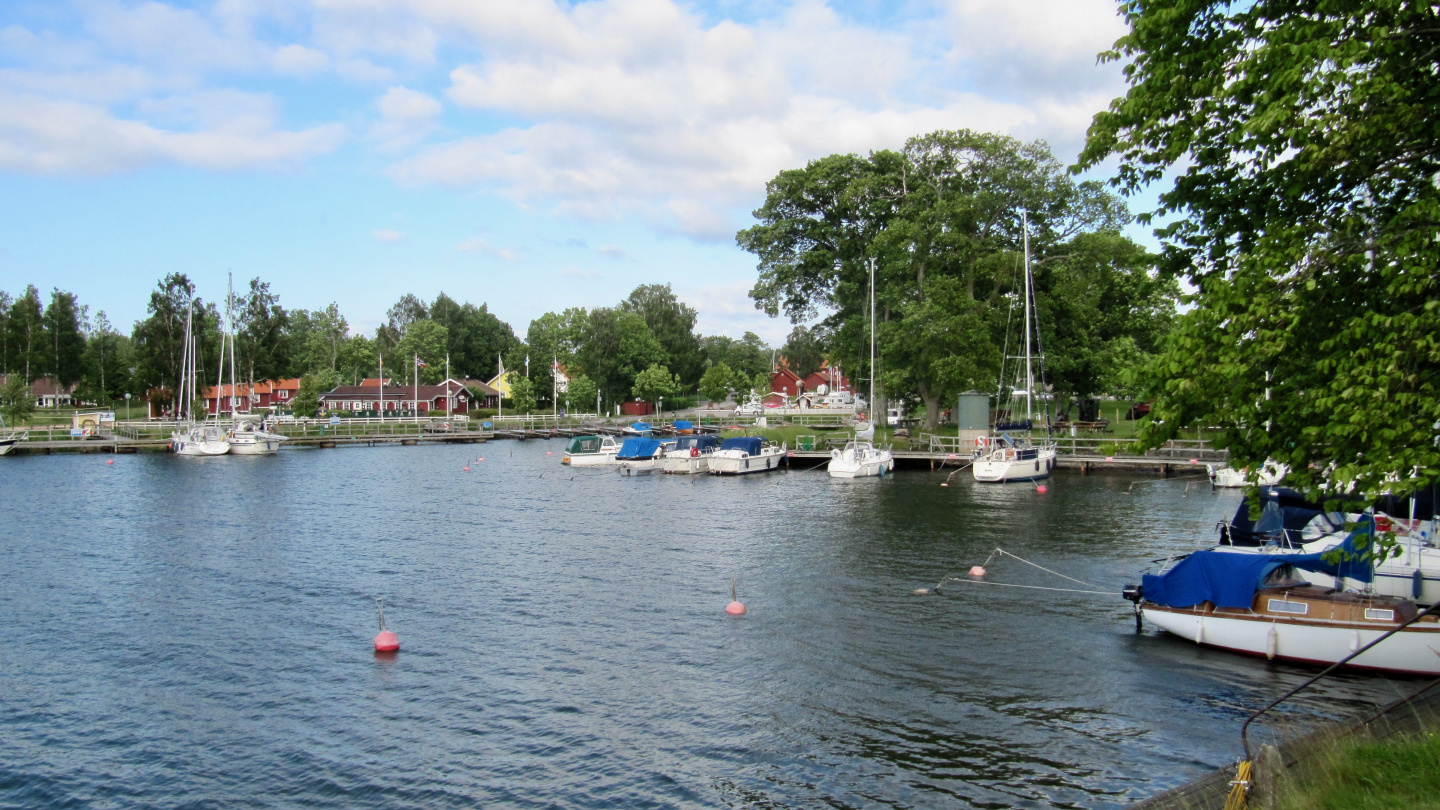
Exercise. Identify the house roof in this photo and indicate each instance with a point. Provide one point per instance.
(375, 382)
(48, 386)
(481, 387)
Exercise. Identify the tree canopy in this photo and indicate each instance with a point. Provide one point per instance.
(1306, 213)
(942, 220)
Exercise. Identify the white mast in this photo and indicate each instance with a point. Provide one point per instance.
(1029, 374)
(380, 384)
(872, 341)
(230, 312)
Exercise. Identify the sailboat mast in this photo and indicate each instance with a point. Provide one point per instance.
(872, 340)
(1029, 373)
(230, 313)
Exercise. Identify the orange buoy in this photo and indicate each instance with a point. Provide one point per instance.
(467, 469)
(548, 453)
(111, 462)
(736, 607)
(386, 641)
(1042, 489)
(977, 570)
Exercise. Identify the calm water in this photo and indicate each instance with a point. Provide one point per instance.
(198, 632)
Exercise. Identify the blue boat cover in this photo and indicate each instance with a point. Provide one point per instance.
(750, 444)
(643, 427)
(638, 448)
(681, 424)
(702, 443)
(1229, 579)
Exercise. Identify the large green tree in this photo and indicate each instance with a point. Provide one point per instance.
(804, 350)
(1305, 210)
(616, 346)
(425, 339)
(159, 340)
(5, 302)
(942, 222)
(260, 327)
(475, 337)
(673, 324)
(26, 334)
(65, 325)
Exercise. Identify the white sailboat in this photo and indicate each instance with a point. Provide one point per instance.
(860, 458)
(1225, 476)
(190, 438)
(1018, 458)
(246, 436)
(9, 440)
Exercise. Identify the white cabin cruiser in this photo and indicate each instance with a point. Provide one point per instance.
(1010, 459)
(746, 454)
(641, 455)
(1223, 475)
(691, 455)
(207, 439)
(590, 451)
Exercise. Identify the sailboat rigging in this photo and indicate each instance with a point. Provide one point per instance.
(860, 458)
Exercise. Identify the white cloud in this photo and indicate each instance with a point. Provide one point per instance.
(478, 245)
(299, 60)
(406, 117)
(612, 252)
(61, 137)
(728, 310)
(387, 235)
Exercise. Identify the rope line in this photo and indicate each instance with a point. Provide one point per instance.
(1027, 587)
(1041, 567)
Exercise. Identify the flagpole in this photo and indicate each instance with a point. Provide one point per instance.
(449, 401)
(380, 383)
(499, 381)
(554, 389)
(417, 391)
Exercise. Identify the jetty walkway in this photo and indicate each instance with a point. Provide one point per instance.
(1086, 454)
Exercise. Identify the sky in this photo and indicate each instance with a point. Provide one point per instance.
(530, 154)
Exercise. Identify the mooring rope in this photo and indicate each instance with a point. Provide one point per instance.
(1027, 587)
(1041, 567)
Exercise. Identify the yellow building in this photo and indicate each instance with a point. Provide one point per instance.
(501, 383)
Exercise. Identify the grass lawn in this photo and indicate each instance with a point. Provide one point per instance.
(1399, 774)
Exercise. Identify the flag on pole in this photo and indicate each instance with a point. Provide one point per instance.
(421, 363)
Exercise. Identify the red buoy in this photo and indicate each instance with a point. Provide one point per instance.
(1042, 489)
(386, 641)
(111, 462)
(467, 469)
(735, 608)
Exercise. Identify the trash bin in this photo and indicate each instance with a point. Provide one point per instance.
(806, 442)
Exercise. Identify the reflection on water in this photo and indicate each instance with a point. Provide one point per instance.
(198, 630)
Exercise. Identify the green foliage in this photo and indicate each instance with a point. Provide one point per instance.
(64, 325)
(716, 382)
(475, 338)
(17, 401)
(942, 220)
(673, 325)
(1306, 214)
(760, 383)
(580, 394)
(1396, 774)
(655, 382)
(749, 355)
(804, 350)
(312, 385)
(618, 345)
(260, 327)
(427, 339)
(25, 334)
(159, 340)
(522, 394)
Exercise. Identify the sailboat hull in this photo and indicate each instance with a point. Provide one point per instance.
(1009, 465)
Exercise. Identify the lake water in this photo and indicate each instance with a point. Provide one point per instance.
(197, 632)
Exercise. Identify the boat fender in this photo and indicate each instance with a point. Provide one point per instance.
(1272, 643)
(1355, 642)
(1417, 584)
(1200, 632)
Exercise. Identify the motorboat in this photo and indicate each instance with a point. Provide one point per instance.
(746, 454)
(690, 456)
(640, 455)
(683, 427)
(637, 429)
(1261, 604)
(590, 451)
(247, 438)
(860, 459)
(1002, 457)
(1290, 524)
(1223, 475)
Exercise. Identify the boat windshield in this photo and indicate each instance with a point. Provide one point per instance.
(584, 444)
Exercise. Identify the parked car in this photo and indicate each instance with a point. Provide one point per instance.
(1139, 409)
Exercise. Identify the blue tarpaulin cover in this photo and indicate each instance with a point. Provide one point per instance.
(638, 448)
(750, 444)
(643, 427)
(701, 442)
(681, 424)
(1229, 579)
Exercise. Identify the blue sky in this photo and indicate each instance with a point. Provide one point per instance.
(531, 155)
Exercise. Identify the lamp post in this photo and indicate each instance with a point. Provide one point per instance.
(662, 408)
(127, 406)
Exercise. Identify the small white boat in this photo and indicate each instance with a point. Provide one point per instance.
(744, 455)
(250, 439)
(1223, 475)
(640, 455)
(590, 451)
(1007, 459)
(9, 440)
(860, 459)
(691, 455)
(637, 429)
(199, 440)
(1259, 604)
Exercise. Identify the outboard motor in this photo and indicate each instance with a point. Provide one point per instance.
(1134, 593)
